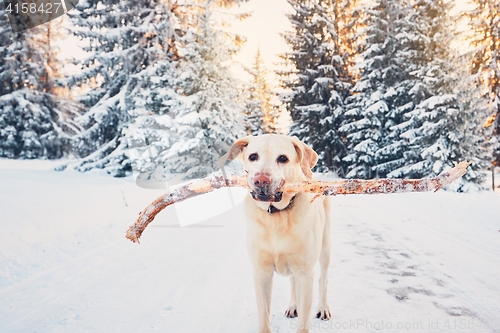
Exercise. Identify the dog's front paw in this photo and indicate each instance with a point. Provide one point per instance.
(291, 312)
(324, 314)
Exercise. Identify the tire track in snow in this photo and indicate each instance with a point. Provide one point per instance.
(482, 311)
(398, 241)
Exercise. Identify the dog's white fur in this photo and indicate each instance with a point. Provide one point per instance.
(290, 241)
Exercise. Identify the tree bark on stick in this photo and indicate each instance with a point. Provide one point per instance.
(348, 186)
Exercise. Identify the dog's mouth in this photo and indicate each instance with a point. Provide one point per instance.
(276, 197)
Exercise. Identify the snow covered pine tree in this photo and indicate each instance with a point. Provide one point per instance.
(445, 125)
(484, 21)
(318, 80)
(161, 90)
(211, 118)
(126, 40)
(259, 111)
(409, 116)
(33, 124)
(380, 96)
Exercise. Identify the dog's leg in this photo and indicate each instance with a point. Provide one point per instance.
(304, 281)
(323, 310)
(324, 262)
(263, 281)
(291, 312)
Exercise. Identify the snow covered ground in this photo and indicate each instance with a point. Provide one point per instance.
(401, 263)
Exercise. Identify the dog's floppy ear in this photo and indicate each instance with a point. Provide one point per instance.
(307, 157)
(235, 150)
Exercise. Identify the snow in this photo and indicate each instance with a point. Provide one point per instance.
(426, 262)
(376, 108)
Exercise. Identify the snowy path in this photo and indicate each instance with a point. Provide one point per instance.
(401, 263)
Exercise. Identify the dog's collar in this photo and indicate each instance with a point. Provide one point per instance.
(271, 209)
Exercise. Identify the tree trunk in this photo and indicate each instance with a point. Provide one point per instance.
(493, 177)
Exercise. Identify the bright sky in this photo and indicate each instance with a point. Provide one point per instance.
(263, 29)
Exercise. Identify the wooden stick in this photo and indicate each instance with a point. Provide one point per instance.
(347, 186)
(205, 185)
(381, 186)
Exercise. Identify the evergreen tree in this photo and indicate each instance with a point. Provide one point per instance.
(350, 21)
(253, 115)
(316, 79)
(128, 42)
(409, 115)
(151, 132)
(417, 35)
(162, 95)
(380, 96)
(440, 124)
(33, 122)
(484, 21)
(444, 124)
(259, 112)
(211, 120)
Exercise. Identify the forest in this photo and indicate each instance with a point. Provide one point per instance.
(379, 88)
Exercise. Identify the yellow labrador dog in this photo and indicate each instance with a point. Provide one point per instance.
(287, 233)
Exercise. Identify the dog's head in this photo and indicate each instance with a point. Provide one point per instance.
(272, 160)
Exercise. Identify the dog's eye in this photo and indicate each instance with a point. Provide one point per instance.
(253, 157)
(282, 159)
